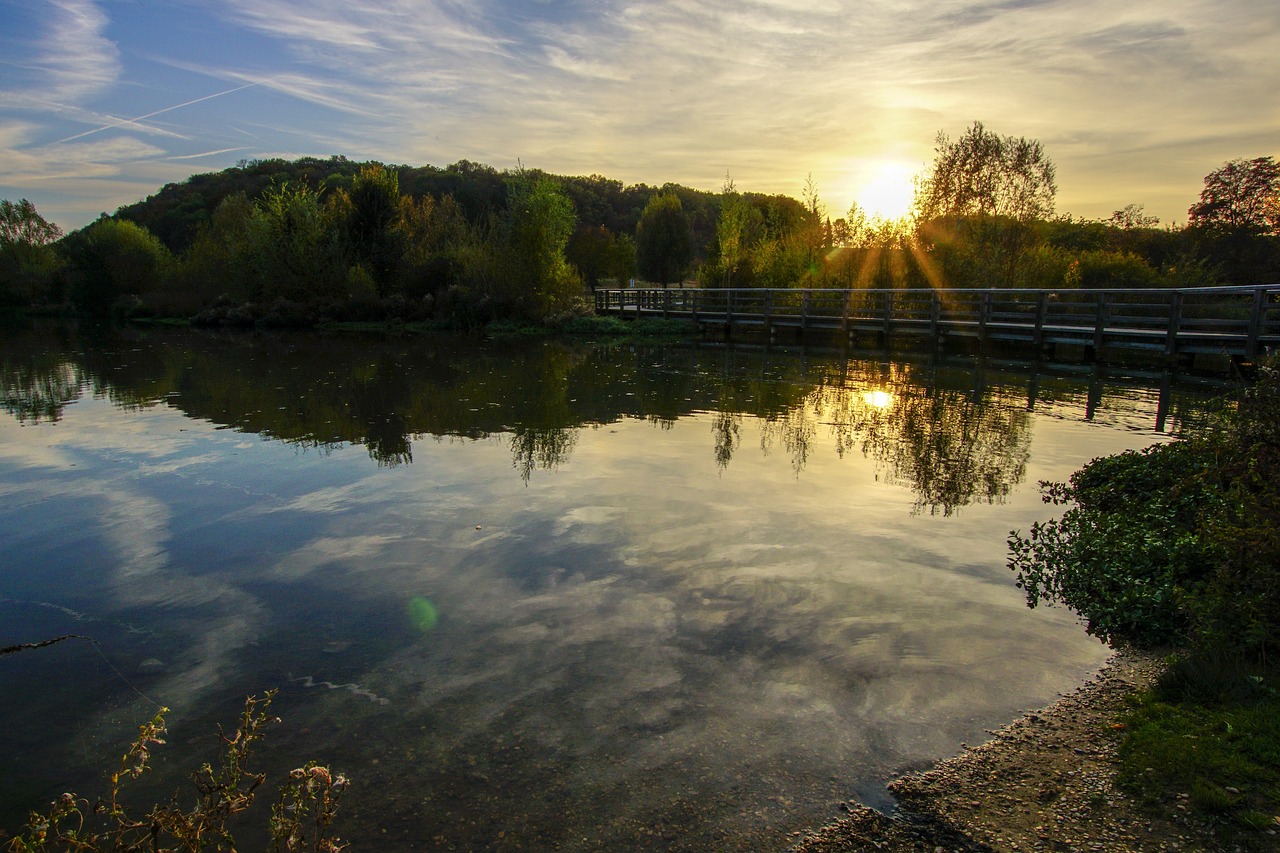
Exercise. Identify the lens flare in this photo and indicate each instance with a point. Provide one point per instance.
(422, 613)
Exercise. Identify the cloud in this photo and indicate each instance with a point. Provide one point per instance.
(680, 90)
(28, 165)
(76, 58)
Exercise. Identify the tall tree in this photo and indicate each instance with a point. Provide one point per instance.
(1237, 220)
(1132, 216)
(664, 246)
(20, 223)
(28, 264)
(300, 246)
(1240, 194)
(979, 200)
(540, 220)
(366, 217)
(111, 258)
(733, 230)
(984, 174)
(590, 250)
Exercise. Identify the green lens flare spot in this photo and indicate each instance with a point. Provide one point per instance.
(422, 613)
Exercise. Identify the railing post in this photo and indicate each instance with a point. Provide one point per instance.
(804, 310)
(844, 312)
(935, 313)
(1100, 323)
(1042, 308)
(984, 313)
(768, 310)
(888, 313)
(1175, 324)
(1255, 322)
(728, 310)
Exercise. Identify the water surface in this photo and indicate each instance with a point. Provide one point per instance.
(533, 595)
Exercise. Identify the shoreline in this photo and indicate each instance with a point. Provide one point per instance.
(1043, 782)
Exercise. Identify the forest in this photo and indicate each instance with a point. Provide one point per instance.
(302, 242)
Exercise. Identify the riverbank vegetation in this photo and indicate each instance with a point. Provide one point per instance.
(310, 241)
(1178, 546)
(300, 820)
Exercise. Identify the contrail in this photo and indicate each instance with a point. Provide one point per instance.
(125, 121)
(206, 153)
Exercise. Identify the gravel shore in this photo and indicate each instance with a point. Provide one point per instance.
(1044, 782)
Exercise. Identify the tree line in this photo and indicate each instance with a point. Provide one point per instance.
(298, 242)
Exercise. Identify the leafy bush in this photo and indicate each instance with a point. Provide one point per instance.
(1177, 543)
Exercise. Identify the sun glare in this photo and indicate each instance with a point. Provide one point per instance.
(888, 195)
(877, 399)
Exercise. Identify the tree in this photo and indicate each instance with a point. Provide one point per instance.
(540, 219)
(733, 230)
(366, 217)
(226, 257)
(664, 246)
(591, 249)
(111, 258)
(983, 174)
(1133, 216)
(28, 264)
(1237, 220)
(1240, 195)
(300, 257)
(979, 200)
(21, 224)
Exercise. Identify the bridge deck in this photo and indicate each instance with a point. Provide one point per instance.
(1238, 321)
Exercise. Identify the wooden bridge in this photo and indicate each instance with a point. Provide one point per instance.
(1240, 322)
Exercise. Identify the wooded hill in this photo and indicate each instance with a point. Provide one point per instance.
(303, 241)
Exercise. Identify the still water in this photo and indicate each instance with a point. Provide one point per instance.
(531, 595)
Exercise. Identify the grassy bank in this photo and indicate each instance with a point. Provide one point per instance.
(1208, 747)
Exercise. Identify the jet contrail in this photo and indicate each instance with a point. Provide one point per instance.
(206, 153)
(125, 121)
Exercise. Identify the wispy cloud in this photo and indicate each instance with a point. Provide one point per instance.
(77, 57)
(679, 90)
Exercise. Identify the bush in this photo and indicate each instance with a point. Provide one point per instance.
(112, 258)
(1178, 543)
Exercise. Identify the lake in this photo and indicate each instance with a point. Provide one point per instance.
(533, 594)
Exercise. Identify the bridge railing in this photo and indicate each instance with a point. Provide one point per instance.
(1249, 317)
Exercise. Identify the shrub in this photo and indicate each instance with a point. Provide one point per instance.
(1177, 543)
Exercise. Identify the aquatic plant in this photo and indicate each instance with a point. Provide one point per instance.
(301, 819)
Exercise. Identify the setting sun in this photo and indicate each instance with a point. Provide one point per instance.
(877, 399)
(888, 194)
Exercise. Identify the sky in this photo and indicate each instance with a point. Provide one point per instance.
(102, 103)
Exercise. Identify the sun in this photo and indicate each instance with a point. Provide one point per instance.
(889, 193)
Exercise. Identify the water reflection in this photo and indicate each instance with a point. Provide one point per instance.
(952, 434)
(587, 597)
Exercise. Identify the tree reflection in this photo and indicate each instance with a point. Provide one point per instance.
(949, 434)
(38, 378)
(950, 445)
(540, 449)
(33, 393)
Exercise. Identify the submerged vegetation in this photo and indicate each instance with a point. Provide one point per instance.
(291, 243)
(300, 820)
(1178, 546)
